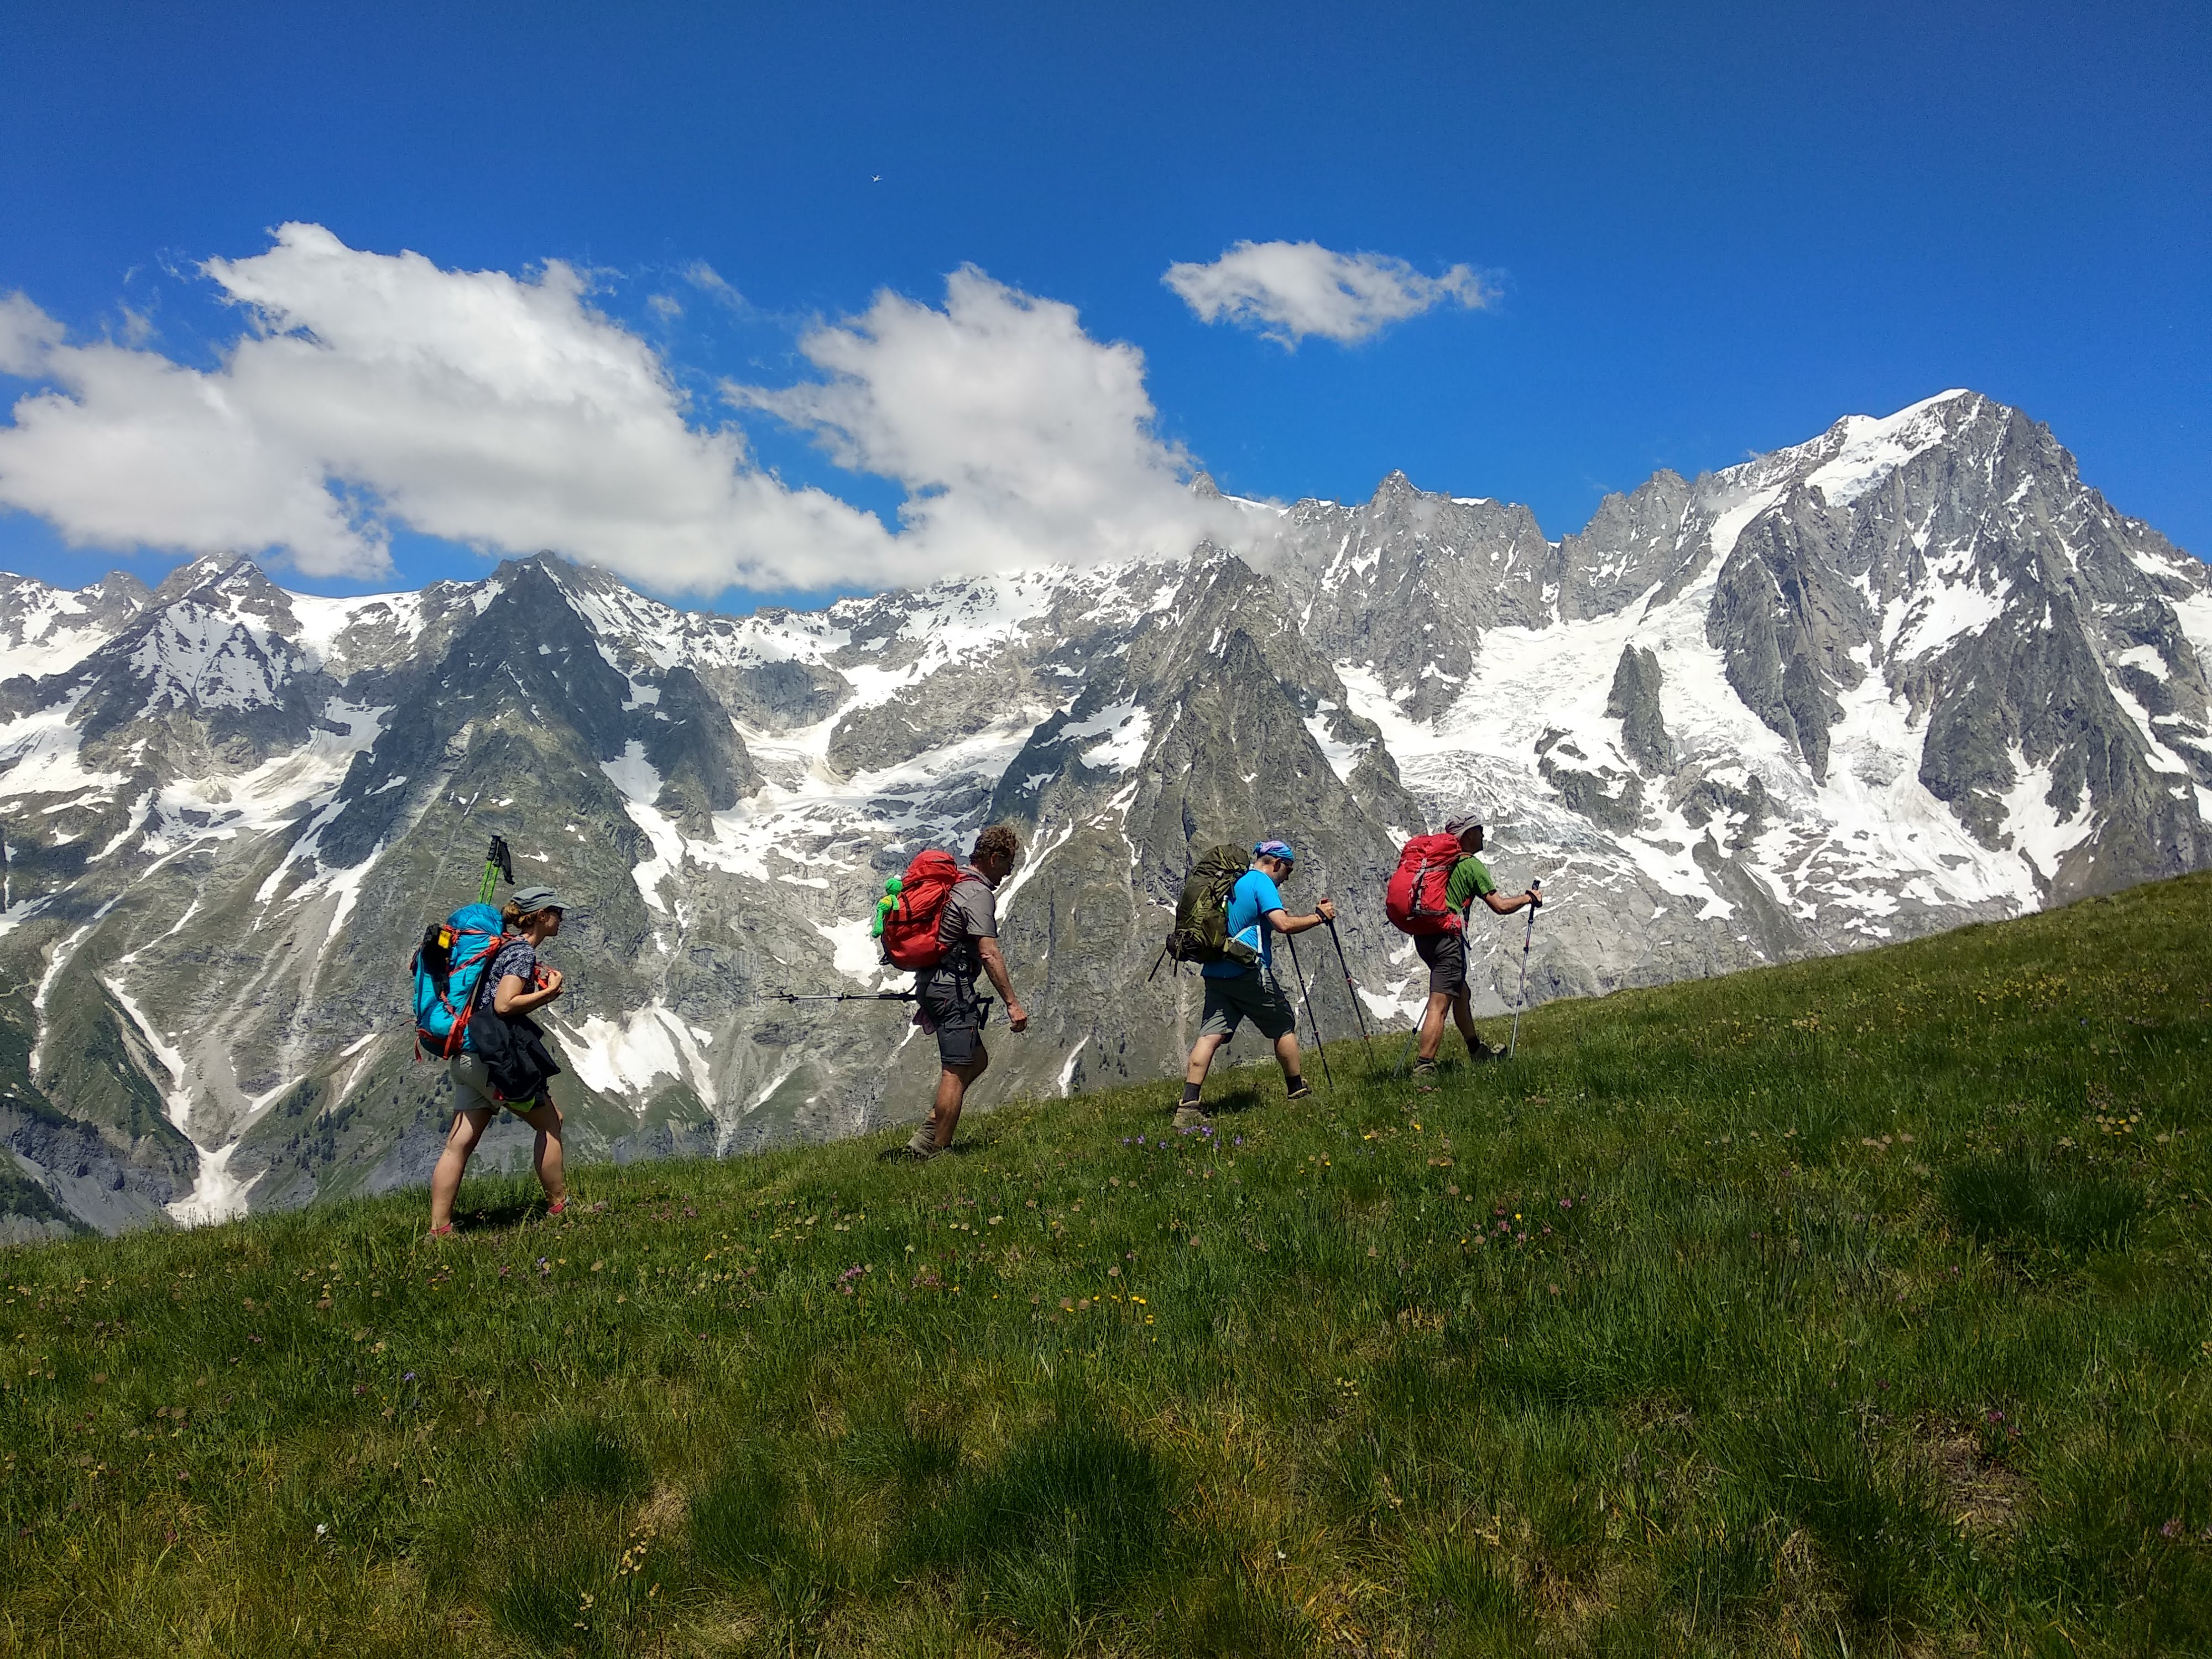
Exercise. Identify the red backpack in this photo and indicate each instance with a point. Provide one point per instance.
(909, 929)
(1415, 900)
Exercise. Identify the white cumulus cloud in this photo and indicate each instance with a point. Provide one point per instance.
(1017, 436)
(507, 413)
(1288, 290)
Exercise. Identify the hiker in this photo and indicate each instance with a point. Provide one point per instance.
(968, 935)
(1445, 950)
(505, 1064)
(1236, 992)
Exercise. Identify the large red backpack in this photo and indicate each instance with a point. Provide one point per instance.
(1415, 901)
(910, 927)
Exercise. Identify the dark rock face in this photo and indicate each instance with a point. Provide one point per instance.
(1634, 701)
(692, 741)
(1786, 620)
(1909, 674)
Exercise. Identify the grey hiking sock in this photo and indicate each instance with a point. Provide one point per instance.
(1190, 1091)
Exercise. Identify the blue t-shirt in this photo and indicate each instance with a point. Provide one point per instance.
(1249, 901)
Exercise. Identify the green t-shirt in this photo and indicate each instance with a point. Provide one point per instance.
(1469, 882)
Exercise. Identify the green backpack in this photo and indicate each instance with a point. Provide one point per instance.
(1201, 923)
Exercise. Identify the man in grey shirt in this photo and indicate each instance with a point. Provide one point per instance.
(968, 930)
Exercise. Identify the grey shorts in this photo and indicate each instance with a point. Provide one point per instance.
(473, 1089)
(1446, 955)
(1255, 995)
(957, 1011)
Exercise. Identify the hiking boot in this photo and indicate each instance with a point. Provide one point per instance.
(1483, 1051)
(1424, 1071)
(1304, 1091)
(924, 1145)
(1189, 1117)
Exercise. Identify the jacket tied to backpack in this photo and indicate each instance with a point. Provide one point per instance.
(513, 1050)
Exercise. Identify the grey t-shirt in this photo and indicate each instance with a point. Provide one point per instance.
(971, 912)
(516, 956)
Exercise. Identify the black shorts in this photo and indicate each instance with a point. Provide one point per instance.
(954, 1010)
(1446, 955)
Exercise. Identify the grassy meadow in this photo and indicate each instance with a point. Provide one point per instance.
(1860, 1306)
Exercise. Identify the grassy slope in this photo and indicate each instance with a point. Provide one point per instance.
(1860, 1303)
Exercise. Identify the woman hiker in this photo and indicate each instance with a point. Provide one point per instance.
(506, 1063)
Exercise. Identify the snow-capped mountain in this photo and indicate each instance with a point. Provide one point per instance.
(1910, 673)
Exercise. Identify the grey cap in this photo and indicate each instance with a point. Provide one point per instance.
(527, 899)
(1462, 824)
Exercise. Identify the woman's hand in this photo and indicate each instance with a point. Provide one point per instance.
(510, 996)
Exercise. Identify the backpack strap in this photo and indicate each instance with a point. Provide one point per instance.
(961, 956)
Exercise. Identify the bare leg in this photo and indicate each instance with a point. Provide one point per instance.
(951, 1089)
(545, 1157)
(1463, 1017)
(1286, 1054)
(1201, 1057)
(446, 1179)
(1432, 1024)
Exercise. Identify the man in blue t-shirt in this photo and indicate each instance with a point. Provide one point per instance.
(1236, 993)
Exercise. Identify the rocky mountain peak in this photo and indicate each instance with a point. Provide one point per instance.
(207, 570)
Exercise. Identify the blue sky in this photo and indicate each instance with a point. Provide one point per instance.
(1698, 232)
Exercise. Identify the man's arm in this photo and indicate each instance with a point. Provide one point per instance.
(1506, 907)
(996, 965)
(1283, 922)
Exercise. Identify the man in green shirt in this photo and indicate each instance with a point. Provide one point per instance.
(1445, 952)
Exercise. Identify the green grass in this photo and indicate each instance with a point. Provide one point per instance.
(1859, 1306)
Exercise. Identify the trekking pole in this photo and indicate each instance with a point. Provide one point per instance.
(498, 861)
(1526, 939)
(1412, 1037)
(1351, 990)
(1320, 1048)
(835, 996)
